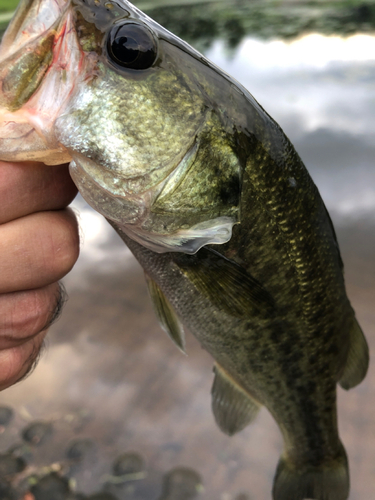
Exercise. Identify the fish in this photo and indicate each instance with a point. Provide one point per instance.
(214, 202)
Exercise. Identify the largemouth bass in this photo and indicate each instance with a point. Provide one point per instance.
(214, 202)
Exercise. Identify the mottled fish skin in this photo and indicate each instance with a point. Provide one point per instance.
(214, 202)
(289, 360)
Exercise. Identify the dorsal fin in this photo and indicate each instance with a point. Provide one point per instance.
(166, 314)
(226, 284)
(358, 358)
(232, 407)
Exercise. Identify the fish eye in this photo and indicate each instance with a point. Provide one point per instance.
(132, 46)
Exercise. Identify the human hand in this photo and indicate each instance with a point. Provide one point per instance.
(39, 244)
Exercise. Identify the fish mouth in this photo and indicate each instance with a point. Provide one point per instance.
(31, 19)
(41, 63)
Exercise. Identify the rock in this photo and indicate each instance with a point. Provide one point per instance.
(128, 463)
(79, 448)
(10, 465)
(52, 487)
(6, 415)
(6, 491)
(37, 433)
(181, 484)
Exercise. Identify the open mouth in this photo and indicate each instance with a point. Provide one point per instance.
(40, 66)
(32, 18)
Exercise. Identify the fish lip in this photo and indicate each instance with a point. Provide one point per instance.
(41, 108)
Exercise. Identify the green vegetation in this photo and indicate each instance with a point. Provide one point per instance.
(200, 22)
(8, 5)
(6, 9)
(264, 19)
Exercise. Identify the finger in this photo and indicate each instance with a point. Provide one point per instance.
(44, 247)
(17, 362)
(25, 314)
(23, 329)
(26, 188)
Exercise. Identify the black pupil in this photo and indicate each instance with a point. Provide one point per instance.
(125, 49)
(132, 46)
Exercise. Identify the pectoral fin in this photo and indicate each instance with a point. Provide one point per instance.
(226, 284)
(232, 407)
(166, 314)
(358, 359)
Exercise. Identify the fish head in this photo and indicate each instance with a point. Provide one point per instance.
(101, 85)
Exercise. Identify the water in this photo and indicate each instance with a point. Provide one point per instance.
(112, 376)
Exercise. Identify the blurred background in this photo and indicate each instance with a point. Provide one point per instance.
(113, 406)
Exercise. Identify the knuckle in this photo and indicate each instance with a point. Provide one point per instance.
(11, 366)
(16, 362)
(24, 314)
(30, 318)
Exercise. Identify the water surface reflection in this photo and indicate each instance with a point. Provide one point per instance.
(321, 91)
